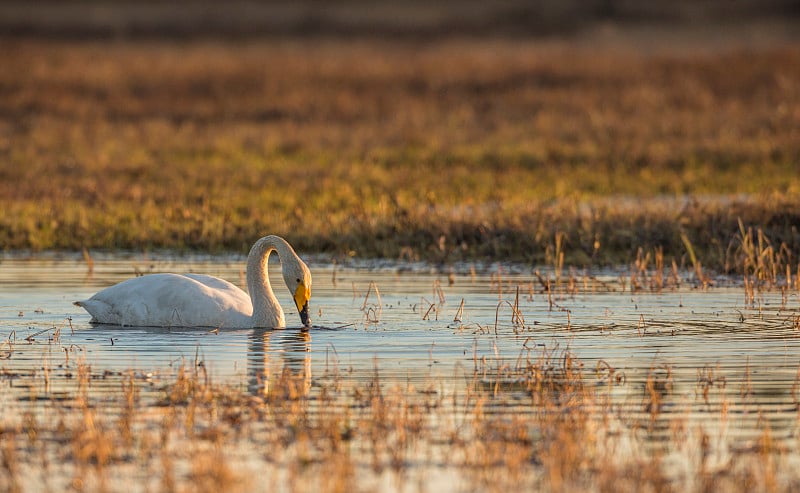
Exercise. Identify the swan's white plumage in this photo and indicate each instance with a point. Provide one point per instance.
(170, 300)
(197, 300)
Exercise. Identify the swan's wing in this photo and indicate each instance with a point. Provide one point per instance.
(167, 300)
(220, 285)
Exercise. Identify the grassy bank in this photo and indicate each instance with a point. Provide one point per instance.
(444, 151)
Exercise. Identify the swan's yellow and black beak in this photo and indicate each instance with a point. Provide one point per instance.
(301, 297)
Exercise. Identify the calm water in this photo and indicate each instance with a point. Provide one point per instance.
(410, 333)
(721, 367)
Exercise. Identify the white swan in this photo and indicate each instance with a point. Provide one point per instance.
(196, 300)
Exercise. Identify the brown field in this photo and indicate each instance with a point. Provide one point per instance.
(445, 150)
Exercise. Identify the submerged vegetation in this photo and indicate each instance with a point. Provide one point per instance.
(544, 423)
(444, 150)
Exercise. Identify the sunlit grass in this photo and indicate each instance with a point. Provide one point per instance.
(444, 151)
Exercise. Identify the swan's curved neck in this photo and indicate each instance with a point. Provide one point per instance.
(267, 311)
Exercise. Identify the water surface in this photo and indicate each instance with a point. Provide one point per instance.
(707, 350)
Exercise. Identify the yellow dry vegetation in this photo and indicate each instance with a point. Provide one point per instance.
(443, 150)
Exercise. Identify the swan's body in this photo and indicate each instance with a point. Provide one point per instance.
(196, 300)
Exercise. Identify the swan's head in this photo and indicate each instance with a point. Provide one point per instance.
(298, 279)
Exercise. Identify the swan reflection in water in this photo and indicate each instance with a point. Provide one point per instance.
(286, 351)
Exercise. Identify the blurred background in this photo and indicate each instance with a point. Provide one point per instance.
(414, 18)
(445, 131)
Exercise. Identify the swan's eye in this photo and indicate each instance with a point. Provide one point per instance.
(298, 281)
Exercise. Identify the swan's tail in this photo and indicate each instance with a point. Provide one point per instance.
(94, 308)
